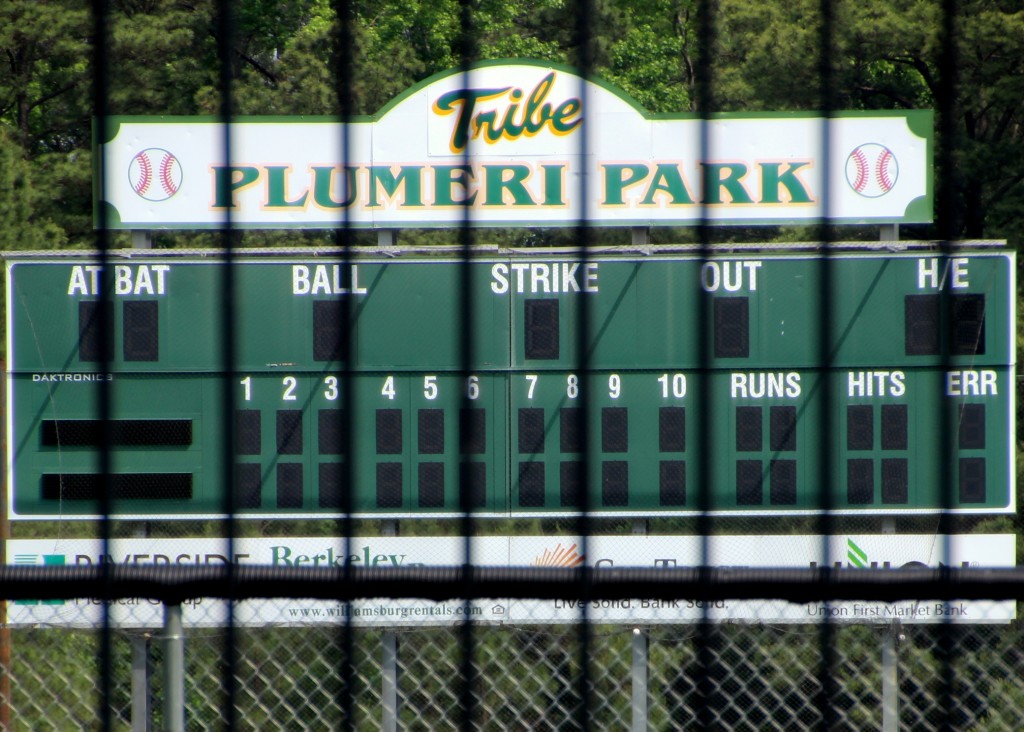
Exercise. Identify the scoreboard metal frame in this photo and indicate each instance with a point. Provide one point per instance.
(921, 342)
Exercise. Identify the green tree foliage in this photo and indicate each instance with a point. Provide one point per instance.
(164, 59)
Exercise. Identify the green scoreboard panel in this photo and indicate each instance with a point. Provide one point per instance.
(494, 410)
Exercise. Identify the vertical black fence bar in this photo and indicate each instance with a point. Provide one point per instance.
(467, 53)
(705, 107)
(948, 215)
(225, 30)
(828, 689)
(343, 44)
(584, 62)
(101, 108)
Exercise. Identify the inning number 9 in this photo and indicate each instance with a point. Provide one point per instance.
(614, 386)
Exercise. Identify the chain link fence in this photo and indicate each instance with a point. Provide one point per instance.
(526, 678)
(783, 668)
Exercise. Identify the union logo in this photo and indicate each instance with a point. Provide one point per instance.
(872, 170)
(155, 174)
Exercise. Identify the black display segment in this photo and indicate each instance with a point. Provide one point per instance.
(749, 483)
(542, 331)
(965, 328)
(430, 485)
(782, 429)
(972, 480)
(569, 429)
(971, 430)
(531, 431)
(615, 483)
(614, 429)
(748, 429)
(732, 327)
(328, 335)
(120, 433)
(289, 485)
(860, 481)
(895, 481)
(389, 485)
(473, 431)
(921, 325)
(141, 330)
(120, 486)
(894, 426)
(782, 482)
(672, 480)
(94, 317)
(472, 485)
(672, 429)
(248, 432)
(330, 430)
(329, 484)
(389, 431)
(570, 479)
(860, 427)
(430, 431)
(967, 325)
(289, 432)
(248, 486)
(531, 484)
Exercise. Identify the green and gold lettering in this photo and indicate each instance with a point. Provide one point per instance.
(668, 178)
(554, 178)
(728, 177)
(501, 178)
(446, 177)
(409, 178)
(230, 178)
(277, 189)
(324, 177)
(619, 177)
(772, 181)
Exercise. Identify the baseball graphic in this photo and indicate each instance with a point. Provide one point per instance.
(871, 170)
(155, 174)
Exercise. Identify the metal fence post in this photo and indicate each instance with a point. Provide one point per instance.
(389, 681)
(890, 679)
(389, 656)
(640, 671)
(141, 706)
(174, 670)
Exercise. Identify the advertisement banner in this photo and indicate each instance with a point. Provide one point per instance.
(514, 143)
(882, 551)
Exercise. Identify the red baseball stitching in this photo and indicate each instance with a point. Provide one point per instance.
(861, 161)
(166, 177)
(146, 173)
(882, 172)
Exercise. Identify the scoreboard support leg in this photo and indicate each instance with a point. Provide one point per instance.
(387, 238)
(141, 240)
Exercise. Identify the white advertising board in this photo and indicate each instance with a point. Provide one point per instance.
(882, 551)
(503, 144)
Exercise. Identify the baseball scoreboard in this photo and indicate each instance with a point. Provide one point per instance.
(513, 408)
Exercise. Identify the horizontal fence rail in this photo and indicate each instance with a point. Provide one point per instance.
(174, 585)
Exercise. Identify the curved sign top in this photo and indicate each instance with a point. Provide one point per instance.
(514, 143)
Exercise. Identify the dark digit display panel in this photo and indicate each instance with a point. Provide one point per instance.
(964, 319)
